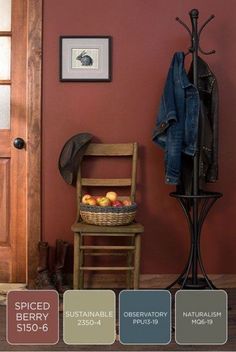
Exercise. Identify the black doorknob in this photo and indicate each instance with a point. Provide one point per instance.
(19, 143)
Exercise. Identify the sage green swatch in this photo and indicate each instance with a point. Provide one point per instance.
(89, 317)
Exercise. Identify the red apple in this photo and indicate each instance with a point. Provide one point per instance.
(91, 201)
(86, 198)
(117, 203)
(104, 202)
(112, 196)
(127, 202)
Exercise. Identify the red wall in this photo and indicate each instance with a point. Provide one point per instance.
(145, 36)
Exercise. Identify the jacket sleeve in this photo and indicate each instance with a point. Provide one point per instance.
(167, 112)
(175, 135)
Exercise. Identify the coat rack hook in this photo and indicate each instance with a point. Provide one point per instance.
(199, 33)
(185, 26)
(206, 52)
(204, 24)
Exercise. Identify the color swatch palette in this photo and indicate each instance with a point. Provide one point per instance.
(143, 317)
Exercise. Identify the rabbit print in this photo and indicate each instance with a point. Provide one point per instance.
(85, 59)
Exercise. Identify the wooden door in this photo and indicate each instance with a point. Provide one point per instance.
(15, 149)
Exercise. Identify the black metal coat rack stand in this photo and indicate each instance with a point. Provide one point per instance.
(202, 201)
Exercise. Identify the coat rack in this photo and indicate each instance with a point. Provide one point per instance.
(201, 201)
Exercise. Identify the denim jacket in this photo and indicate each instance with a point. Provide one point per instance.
(177, 121)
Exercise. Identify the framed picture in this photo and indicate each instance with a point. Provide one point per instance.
(85, 58)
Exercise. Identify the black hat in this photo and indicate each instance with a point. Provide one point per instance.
(71, 156)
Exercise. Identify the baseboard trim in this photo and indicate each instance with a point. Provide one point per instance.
(6, 287)
(151, 281)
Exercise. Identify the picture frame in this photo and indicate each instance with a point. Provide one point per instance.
(85, 58)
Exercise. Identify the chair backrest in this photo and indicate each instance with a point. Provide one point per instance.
(109, 150)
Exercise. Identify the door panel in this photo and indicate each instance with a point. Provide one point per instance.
(13, 124)
(20, 116)
(4, 200)
(5, 268)
(5, 146)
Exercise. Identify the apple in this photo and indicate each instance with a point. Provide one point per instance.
(112, 196)
(117, 203)
(86, 198)
(98, 198)
(127, 202)
(104, 202)
(91, 201)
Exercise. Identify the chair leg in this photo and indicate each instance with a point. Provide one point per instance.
(129, 262)
(137, 252)
(81, 262)
(76, 271)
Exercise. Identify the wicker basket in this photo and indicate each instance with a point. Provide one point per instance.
(107, 216)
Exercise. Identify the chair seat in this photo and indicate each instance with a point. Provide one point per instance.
(132, 228)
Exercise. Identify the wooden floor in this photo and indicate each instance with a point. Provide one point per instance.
(229, 346)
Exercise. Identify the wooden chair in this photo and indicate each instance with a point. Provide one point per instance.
(132, 231)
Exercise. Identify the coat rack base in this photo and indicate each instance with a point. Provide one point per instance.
(201, 283)
(203, 202)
